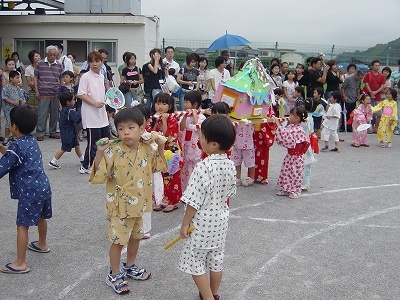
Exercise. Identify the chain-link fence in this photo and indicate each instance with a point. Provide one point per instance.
(387, 54)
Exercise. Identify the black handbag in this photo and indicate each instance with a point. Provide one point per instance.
(124, 87)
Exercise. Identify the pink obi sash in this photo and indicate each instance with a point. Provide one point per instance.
(387, 111)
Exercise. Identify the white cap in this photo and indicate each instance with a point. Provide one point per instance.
(321, 54)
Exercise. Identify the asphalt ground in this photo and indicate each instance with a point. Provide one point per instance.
(340, 240)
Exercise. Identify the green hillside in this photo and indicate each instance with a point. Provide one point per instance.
(387, 54)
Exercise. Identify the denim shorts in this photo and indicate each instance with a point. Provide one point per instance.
(29, 213)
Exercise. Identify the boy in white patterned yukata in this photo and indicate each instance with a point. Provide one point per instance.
(127, 167)
(212, 182)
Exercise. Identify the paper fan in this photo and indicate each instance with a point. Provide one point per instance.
(363, 127)
(115, 98)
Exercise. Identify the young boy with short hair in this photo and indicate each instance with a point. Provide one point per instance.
(299, 96)
(69, 117)
(12, 96)
(320, 110)
(126, 167)
(28, 184)
(211, 184)
(331, 121)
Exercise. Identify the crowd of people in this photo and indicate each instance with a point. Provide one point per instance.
(167, 150)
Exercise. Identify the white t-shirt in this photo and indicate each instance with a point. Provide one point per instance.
(217, 76)
(67, 63)
(172, 64)
(30, 71)
(92, 84)
(333, 110)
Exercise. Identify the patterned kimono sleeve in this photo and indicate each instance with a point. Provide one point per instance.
(267, 132)
(104, 169)
(284, 136)
(194, 194)
(395, 115)
(74, 116)
(159, 163)
(378, 107)
(172, 128)
(11, 159)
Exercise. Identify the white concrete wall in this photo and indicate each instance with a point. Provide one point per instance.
(136, 34)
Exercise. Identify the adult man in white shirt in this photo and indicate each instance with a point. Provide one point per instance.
(217, 75)
(169, 62)
(63, 59)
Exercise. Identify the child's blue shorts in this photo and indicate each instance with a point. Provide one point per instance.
(29, 213)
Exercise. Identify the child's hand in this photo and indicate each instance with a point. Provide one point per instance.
(164, 117)
(194, 112)
(102, 144)
(158, 138)
(184, 231)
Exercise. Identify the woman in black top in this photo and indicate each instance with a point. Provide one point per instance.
(333, 80)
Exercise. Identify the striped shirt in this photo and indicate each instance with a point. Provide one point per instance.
(48, 78)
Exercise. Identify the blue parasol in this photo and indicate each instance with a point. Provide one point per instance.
(228, 41)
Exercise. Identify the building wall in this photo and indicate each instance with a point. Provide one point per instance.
(293, 59)
(136, 34)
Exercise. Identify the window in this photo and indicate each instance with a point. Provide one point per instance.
(78, 47)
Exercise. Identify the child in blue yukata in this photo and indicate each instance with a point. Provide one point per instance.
(28, 184)
(69, 117)
(12, 95)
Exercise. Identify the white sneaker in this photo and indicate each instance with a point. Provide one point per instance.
(54, 166)
(82, 170)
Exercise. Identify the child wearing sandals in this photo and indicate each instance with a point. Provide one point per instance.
(243, 151)
(126, 167)
(28, 184)
(388, 119)
(294, 139)
(212, 182)
(361, 115)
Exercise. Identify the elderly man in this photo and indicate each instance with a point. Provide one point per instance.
(47, 80)
(350, 91)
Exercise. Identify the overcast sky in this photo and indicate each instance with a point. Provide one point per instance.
(362, 23)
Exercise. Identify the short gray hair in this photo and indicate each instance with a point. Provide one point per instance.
(51, 47)
(360, 73)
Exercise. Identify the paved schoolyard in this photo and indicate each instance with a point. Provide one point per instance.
(340, 240)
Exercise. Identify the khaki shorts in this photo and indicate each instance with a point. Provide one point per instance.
(121, 230)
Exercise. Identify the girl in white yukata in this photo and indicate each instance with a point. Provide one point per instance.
(294, 139)
(212, 182)
(189, 129)
(310, 157)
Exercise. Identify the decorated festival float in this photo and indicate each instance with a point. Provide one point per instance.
(247, 93)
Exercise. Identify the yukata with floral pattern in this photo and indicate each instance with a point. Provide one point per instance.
(388, 119)
(361, 115)
(191, 150)
(128, 182)
(291, 175)
(263, 138)
(172, 183)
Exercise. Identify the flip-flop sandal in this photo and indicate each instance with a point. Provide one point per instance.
(167, 210)
(11, 270)
(158, 207)
(33, 247)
